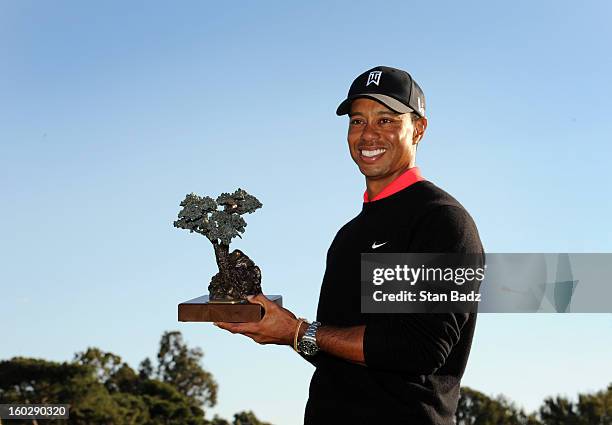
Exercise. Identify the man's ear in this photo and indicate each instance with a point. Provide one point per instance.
(420, 126)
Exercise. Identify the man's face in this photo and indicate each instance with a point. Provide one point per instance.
(382, 142)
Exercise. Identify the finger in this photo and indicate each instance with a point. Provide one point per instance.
(231, 327)
(240, 328)
(223, 325)
(262, 301)
(258, 299)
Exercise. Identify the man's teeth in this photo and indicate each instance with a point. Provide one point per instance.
(372, 153)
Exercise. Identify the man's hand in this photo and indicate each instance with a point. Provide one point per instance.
(277, 326)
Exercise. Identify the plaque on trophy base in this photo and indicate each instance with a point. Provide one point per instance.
(202, 309)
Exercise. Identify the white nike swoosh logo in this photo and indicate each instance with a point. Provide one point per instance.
(375, 245)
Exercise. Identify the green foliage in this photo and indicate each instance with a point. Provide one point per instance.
(145, 369)
(24, 380)
(240, 418)
(195, 214)
(239, 202)
(475, 408)
(200, 215)
(596, 408)
(168, 406)
(591, 409)
(219, 421)
(180, 366)
(224, 227)
(558, 411)
(132, 408)
(103, 390)
(247, 418)
(108, 367)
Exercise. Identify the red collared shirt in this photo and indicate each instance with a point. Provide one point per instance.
(411, 176)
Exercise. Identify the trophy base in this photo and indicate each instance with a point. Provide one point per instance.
(202, 309)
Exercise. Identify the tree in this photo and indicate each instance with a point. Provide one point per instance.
(475, 408)
(219, 421)
(596, 408)
(168, 406)
(558, 411)
(200, 215)
(145, 369)
(247, 418)
(179, 366)
(108, 367)
(25, 380)
(103, 390)
(591, 409)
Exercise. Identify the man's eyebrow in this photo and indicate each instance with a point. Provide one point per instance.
(377, 113)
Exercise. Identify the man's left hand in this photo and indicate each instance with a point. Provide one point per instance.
(277, 326)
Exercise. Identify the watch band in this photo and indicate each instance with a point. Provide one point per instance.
(308, 343)
(311, 332)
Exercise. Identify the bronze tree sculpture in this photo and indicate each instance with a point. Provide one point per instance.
(238, 275)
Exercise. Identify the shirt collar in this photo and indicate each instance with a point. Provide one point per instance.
(410, 176)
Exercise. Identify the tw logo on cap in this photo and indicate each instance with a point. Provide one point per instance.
(374, 77)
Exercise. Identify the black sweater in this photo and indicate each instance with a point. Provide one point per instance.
(414, 361)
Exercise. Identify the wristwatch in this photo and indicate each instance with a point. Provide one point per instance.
(308, 343)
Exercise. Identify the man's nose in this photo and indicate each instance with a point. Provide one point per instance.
(369, 133)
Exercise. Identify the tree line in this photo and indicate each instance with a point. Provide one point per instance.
(175, 390)
(476, 408)
(103, 390)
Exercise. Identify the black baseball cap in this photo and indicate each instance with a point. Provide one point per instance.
(392, 87)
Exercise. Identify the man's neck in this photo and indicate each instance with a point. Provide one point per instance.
(375, 186)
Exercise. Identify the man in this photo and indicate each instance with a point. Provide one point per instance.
(381, 368)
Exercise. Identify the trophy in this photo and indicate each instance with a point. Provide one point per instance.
(238, 275)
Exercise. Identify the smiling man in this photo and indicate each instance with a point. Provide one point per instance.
(383, 142)
(381, 368)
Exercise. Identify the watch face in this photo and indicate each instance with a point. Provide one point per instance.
(308, 348)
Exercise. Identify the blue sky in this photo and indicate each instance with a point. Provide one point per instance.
(110, 112)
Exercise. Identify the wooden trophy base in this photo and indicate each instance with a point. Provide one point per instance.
(201, 309)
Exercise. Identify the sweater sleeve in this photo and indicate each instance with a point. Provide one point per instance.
(313, 360)
(420, 343)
